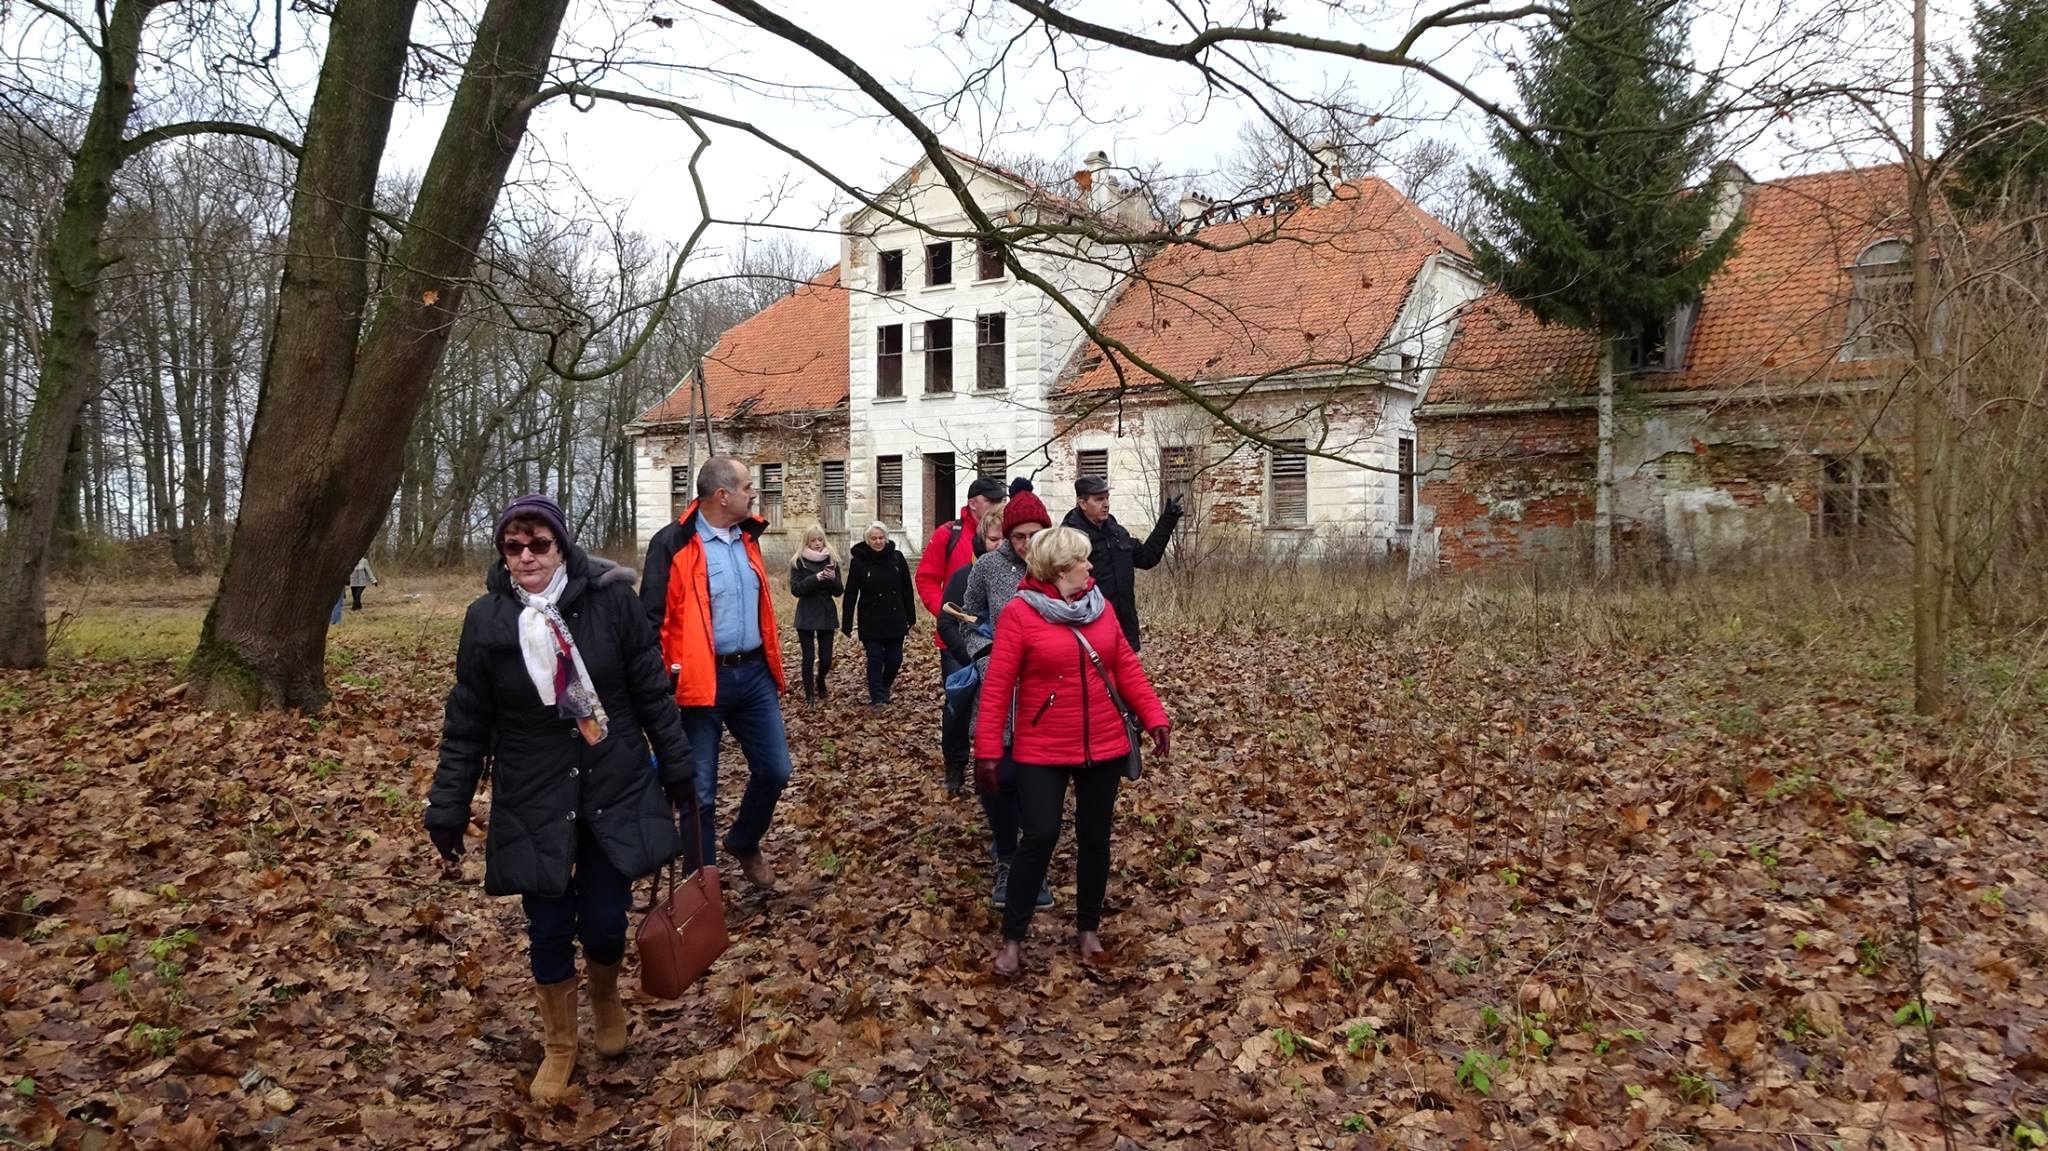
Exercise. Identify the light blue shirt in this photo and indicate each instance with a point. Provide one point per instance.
(735, 589)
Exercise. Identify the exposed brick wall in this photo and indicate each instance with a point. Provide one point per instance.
(800, 444)
(1696, 484)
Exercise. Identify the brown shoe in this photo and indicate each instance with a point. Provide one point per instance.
(607, 1013)
(757, 871)
(557, 1003)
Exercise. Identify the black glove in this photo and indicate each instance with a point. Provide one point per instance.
(682, 793)
(448, 841)
(1172, 507)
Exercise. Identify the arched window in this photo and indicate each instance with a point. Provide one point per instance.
(1880, 295)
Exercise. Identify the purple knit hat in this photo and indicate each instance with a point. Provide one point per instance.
(538, 506)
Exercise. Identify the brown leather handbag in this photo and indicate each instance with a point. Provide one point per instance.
(683, 933)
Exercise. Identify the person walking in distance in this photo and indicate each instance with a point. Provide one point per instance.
(707, 594)
(880, 601)
(814, 581)
(1113, 554)
(1055, 675)
(359, 579)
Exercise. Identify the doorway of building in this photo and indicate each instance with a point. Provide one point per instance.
(939, 504)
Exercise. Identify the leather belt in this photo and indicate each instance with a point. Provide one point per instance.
(739, 658)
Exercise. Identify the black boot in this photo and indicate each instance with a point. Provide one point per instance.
(956, 778)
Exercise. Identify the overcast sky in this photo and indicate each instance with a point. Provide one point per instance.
(1142, 112)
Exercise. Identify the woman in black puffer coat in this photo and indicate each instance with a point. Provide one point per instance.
(881, 599)
(559, 687)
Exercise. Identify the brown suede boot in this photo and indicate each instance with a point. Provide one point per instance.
(607, 1014)
(557, 1002)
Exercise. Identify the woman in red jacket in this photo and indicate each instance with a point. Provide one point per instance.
(1065, 728)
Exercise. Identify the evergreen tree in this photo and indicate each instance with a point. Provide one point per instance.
(1597, 221)
(1995, 117)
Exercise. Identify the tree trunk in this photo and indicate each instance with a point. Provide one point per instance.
(1603, 467)
(69, 350)
(324, 457)
(1930, 646)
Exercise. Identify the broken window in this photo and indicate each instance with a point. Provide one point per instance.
(889, 360)
(1880, 298)
(1404, 508)
(1287, 484)
(680, 490)
(1658, 344)
(770, 485)
(889, 490)
(1092, 464)
(1411, 369)
(832, 495)
(938, 356)
(938, 264)
(1855, 495)
(991, 343)
(994, 465)
(889, 269)
(988, 260)
(1176, 472)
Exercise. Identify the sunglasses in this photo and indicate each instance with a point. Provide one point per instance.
(539, 547)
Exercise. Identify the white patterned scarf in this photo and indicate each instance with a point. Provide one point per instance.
(553, 662)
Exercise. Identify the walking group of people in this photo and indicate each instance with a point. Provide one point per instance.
(598, 713)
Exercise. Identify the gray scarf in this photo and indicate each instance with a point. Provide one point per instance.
(1073, 613)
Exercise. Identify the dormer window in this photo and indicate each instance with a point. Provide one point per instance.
(1880, 298)
(1657, 344)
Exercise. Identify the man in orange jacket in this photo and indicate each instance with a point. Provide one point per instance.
(707, 593)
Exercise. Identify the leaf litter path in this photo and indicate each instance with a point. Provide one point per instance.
(1430, 894)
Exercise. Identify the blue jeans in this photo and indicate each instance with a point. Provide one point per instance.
(885, 659)
(750, 707)
(594, 909)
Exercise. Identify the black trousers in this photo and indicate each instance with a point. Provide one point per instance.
(816, 644)
(1041, 793)
(357, 592)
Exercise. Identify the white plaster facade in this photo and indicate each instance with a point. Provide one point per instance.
(926, 424)
(1362, 416)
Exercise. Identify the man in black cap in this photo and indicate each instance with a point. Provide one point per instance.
(1112, 552)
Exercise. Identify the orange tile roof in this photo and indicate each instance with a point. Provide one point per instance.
(1318, 287)
(1774, 314)
(788, 357)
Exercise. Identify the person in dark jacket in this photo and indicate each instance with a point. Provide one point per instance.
(882, 602)
(955, 723)
(1114, 555)
(814, 581)
(559, 687)
(1066, 728)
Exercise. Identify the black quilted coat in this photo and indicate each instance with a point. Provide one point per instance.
(544, 778)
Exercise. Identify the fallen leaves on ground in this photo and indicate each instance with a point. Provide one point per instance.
(1398, 891)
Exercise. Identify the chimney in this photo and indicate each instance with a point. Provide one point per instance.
(1098, 186)
(1193, 207)
(1329, 159)
(1726, 186)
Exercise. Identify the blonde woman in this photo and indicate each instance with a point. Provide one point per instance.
(814, 581)
(1043, 681)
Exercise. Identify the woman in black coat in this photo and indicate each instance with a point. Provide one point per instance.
(881, 599)
(560, 690)
(814, 581)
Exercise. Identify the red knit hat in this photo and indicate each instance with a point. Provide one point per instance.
(1024, 508)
